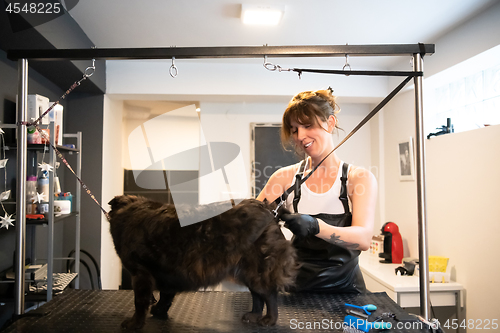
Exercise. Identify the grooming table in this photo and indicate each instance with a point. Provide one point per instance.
(204, 311)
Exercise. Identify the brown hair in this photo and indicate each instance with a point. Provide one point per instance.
(308, 107)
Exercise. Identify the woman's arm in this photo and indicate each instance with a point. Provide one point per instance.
(362, 190)
(279, 181)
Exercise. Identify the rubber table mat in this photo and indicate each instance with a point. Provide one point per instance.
(205, 311)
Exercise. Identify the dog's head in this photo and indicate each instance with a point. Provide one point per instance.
(121, 201)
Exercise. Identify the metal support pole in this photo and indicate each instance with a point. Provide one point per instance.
(77, 200)
(22, 106)
(421, 197)
(50, 220)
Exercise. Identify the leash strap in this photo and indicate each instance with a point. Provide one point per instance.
(297, 184)
(355, 72)
(369, 116)
(88, 73)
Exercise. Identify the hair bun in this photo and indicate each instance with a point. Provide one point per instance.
(327, 95)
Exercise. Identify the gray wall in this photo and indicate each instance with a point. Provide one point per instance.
(86, 116)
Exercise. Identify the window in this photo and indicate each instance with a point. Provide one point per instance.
(468, 93)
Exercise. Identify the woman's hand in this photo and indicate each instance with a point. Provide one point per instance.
(302, 225)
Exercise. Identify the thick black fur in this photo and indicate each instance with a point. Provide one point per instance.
(244, 243)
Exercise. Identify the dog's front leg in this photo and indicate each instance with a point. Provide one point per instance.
(160, 309)
(143, 288)
(257, 307)
(272, 309)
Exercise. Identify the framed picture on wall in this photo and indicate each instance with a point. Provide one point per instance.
(406, 162)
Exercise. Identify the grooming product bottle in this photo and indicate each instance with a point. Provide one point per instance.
(57, 185)
(33, 135)
(30, 195)
(43, 187)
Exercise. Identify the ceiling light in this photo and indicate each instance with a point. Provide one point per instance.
(261, 14)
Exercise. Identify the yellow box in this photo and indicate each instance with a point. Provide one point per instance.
(438, 264)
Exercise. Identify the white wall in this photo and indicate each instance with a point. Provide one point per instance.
(464, 213)
(462, 178)
(112, 175)
(168, 134)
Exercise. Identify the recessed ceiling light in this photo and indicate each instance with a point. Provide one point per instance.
(262, 14)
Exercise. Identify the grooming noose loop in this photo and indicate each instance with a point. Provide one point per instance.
(272, 67)
(173, 69)
(89, 71)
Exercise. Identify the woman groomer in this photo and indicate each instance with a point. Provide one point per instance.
(334, 208)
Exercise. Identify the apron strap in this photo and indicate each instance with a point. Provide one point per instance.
(298, 184)
(299, 180)
(343, 190)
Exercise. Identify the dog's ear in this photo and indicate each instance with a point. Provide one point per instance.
(120, 201)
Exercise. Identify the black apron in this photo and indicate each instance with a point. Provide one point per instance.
(327, 267)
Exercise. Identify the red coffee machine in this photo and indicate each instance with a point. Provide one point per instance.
(393, 244)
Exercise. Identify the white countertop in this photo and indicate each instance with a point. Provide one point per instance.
(385, 274)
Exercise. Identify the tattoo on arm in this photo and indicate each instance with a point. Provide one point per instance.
(334, 239)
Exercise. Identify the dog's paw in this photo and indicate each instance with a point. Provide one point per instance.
(267, 321)
(132, 324)
(251, 317)
(159, 311)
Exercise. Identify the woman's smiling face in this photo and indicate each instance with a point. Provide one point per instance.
(314, 140)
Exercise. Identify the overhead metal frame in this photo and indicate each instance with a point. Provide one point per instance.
(417, 51)
(222, 52)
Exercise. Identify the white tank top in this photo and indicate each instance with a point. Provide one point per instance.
(315, 203)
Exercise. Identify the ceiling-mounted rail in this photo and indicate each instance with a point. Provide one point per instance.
(223, 52)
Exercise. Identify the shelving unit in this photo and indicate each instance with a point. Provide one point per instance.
(56, 282)
(51, 218)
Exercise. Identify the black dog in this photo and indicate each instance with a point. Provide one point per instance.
(244, 243)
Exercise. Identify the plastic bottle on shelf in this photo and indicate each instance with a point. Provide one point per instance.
(57, 185)
(34, 136)
(43, 187)
(43, 184)
(30, 195)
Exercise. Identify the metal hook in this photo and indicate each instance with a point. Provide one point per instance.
(346, 64)
(173, 69)
(89, 70)
(269, 66)
(275, 211)
(272, 67)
